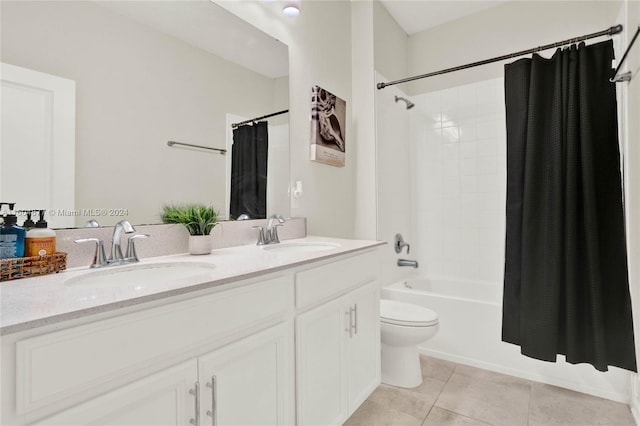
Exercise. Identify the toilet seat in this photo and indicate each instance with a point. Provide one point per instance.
(406, 314)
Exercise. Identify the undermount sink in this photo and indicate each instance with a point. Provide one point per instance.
(141, 275)
(301, 247)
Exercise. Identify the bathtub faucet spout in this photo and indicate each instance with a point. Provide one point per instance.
(407, 262)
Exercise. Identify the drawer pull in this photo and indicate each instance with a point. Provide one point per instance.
(196, 393)
(213, 413)
(355, 319)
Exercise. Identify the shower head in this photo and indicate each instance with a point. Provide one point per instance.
(407, 101)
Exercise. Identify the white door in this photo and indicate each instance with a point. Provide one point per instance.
(37, 143)
(364, 345)
(249, 382)
(321, 335)
(163, 398)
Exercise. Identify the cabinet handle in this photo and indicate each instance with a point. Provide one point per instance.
(214, 396)
(355, 318)
(350, 327)
(196, 393)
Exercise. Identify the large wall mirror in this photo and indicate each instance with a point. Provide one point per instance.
(142, 73)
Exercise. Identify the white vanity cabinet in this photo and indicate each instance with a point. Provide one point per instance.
(299, 345)
(248, 382)
(337, 341)
(145, 364)
(244, 383)
(166, 398)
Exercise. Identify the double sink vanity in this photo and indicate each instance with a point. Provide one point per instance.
(278, 334)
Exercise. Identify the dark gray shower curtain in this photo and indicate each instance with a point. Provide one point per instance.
(249, 171)
(566, 285)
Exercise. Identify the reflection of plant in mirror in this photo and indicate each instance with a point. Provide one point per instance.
(197, 218)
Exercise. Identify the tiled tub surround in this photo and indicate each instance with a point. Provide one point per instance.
(170, 239)
(459, 154)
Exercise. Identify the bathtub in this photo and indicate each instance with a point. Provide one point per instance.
(470, 315)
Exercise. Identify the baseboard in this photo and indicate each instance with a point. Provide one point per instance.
(613, 396)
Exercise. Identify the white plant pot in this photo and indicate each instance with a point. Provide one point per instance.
(199, 244)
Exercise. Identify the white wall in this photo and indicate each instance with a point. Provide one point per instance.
(396, 206)
(510, 27)
(364, 131)
(136, 89)
(390, 41)
(319, 53)
(631, 91)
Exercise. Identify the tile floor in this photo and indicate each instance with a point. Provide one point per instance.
(458, 395)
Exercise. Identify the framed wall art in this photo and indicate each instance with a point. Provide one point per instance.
(328, 122)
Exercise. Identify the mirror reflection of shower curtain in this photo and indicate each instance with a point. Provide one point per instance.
(249, 155)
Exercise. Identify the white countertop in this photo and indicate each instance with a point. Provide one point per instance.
(34, 302)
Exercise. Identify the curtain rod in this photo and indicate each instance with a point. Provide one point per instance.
(220, 150)
(284, 111)
(609, 32)
(626, 76)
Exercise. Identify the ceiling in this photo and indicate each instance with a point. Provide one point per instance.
(415, 16)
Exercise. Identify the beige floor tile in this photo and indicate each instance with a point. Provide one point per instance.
(486, 397)
(493, 377)
(436, 368)
(416, 402)
(440, 417)
(552, 406)
(372, 414)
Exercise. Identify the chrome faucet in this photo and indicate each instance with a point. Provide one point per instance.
(118, 229)
(270, 236)
(272, 229)
(116, 258)
(407, 262)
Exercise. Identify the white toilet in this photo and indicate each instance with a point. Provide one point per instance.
(403, 326)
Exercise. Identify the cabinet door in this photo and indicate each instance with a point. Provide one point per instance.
(249, 382)
(321, 335)
(363, 368)
(163, 398)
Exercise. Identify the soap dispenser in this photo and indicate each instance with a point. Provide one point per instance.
(40, 240)
(28, 223)
(11, 235)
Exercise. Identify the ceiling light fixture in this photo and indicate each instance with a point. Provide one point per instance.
(291, 8)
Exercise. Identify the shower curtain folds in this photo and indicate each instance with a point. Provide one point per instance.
(249, 171)
(566, 287)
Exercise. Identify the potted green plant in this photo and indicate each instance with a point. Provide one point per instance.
(199, 220)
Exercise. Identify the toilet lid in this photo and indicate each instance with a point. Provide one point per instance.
(400, 313)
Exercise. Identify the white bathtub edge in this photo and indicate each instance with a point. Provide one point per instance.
(613, 396)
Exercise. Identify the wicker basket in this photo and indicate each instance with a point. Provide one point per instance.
(23, 267)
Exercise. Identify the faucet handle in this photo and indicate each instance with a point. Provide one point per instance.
(131, 255)
(99, 258)
(400, 244)
(261, 240)
(272, 235)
